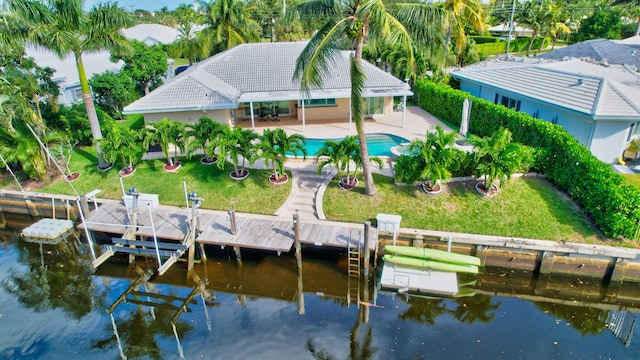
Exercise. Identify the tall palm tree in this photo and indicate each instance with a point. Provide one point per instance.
(274, 146)
(187, 45)
(228, 23)
(347, 25)
(63, 27)
(464, 11)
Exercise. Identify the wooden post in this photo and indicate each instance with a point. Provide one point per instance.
(367, 255)
(232, 221)
(236, 249)
(301, 310)
(296, 236)
(84, 206)
(203, 255)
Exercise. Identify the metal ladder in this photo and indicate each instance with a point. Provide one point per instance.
(354, 271)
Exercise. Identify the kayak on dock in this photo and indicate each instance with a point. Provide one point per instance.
(432, 254)
(430, 264)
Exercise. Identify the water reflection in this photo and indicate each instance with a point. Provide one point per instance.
(271, 309)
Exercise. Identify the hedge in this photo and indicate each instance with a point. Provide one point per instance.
(519, 44)
(484, 39)
(613, 205)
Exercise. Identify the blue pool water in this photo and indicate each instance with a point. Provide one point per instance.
(379, 144)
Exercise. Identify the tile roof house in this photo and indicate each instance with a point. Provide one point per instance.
(599, 105)
(250, 79)
(66, 73)
(598, 50)
(151, 34)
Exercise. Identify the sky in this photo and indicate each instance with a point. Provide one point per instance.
(149, 5)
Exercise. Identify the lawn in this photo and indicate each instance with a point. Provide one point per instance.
(632, 179)
(528, 208)
(219, 191)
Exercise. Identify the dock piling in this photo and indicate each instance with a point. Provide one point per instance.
(367, 254)
(232, 221)
(296, 235)
(236, 249)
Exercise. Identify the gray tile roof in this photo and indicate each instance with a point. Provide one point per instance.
(598, 50)
(601, 92)
(257, 72)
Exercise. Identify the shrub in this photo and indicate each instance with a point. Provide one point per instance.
(484, 39)
(613, 205)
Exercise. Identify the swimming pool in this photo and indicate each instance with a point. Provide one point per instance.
(378, 144)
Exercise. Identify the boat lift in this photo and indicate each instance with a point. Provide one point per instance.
(141, 288)
(129, 243)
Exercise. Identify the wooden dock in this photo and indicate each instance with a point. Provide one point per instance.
(253, 231)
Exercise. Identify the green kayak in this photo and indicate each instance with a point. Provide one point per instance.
(430, 264)
(432, 254)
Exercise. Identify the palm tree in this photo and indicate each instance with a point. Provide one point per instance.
(204, 136)
(464, 11)
(165, 133)
(187, 45)
(332, 153)
(63, 27)
(237, 144)
(438, 153)
(274, 146)
(227, 23)
(497, 157)
(348, 25)
(124, 142)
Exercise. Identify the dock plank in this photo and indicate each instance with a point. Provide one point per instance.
(262, 232)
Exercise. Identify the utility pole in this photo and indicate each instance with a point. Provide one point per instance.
(513, 10)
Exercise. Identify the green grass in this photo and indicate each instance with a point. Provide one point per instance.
(134, 121)
(528, 208)
(632, 179)
(254, 194)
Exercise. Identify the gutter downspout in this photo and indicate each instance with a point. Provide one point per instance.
(253, 119)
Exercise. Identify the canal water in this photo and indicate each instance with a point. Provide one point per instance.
(53, 306)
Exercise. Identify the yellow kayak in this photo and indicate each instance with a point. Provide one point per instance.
(432, 254)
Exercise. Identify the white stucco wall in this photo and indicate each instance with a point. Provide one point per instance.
(609, 140)
(221, 116)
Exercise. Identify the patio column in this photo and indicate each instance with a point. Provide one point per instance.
(304, 124)
(404, 109)
(350, 114)
(253, 120)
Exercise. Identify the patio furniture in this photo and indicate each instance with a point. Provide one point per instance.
(275, 115)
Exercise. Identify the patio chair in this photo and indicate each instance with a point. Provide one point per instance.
(275, 115)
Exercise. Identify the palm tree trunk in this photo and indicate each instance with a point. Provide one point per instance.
(533, 37)
(367, 175)
(91, 110)
(638, 28)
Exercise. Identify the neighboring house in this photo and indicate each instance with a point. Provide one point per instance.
(503, 29)
(598, 105)
(66, 72)
(151, 34)
(243, 82)
(633, 42)
(598, 50)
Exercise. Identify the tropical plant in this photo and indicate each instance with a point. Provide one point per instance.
(165, 133)
(348, 25)
(438, 153)
(146, 65)
(332, 153)
(237, 144)
(204, 135)
(343, 154)
(63, 27)
(464, 11)
(227, 23)
(274, 146)
(497, 157)
(113, 91)
(124, 142)
(187, 45)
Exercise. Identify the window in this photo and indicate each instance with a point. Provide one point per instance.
(634, 131)
(318, 102)
(510, 102)
(375, 105)
(78, 94)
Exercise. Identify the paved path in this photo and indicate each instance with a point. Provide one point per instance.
(306, 194)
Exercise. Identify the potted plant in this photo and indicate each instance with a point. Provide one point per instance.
(497, 158)
(343, 154)
(166, 133)
(274, 146)
(203, 136)
(124, 142)
(237, 144)
(437, 154)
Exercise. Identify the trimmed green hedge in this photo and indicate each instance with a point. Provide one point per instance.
(613, 205)
(484, 39)
(519, 44)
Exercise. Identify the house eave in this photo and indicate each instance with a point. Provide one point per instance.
(195, 108)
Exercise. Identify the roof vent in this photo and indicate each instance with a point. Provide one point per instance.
(579, 81)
